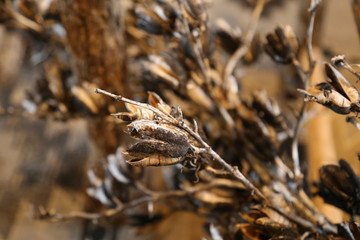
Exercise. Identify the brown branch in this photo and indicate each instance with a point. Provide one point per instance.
(233, 170)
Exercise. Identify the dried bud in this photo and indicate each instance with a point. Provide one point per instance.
(340, 187)
(282, 45)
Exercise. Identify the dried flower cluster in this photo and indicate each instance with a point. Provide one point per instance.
(338, 94)
(233, 160)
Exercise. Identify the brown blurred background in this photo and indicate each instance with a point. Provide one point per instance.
(43, 162)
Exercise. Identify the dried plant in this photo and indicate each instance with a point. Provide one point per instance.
(234, 160)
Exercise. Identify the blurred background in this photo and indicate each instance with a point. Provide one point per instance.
(44, 162)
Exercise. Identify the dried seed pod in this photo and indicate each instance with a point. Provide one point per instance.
(254, 50)
(135, 113)
(154, 160)
(223, 194)
(30, 9)
(194, 12)
(265, 223)
(338, 94)
(354, 121)
(149, 147)
(282, 45)
(83, 97)
(158, 18)
(340, 187)
(343, 86)
(122, 172)
(161, 144)
(155, 101)
(101, 189)
(228, 38)
(329, 98)
(339, 61)
(197, 95)
(146, 129)
(268, 110)
(166, 68)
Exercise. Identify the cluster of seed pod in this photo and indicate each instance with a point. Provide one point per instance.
(184, 59)
(161, 143)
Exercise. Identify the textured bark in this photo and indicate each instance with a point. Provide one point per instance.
(356, 12)
(97, 49)
(96, 41)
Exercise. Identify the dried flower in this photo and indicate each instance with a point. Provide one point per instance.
(338, 93)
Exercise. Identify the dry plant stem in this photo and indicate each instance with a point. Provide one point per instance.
(305, 75)
(241, 51)
(309, 35)
(233, 170)
(151, 196)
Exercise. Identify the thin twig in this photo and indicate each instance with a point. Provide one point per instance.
(309, 36)
(241, 51)
(305, 75)
(233, 170)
